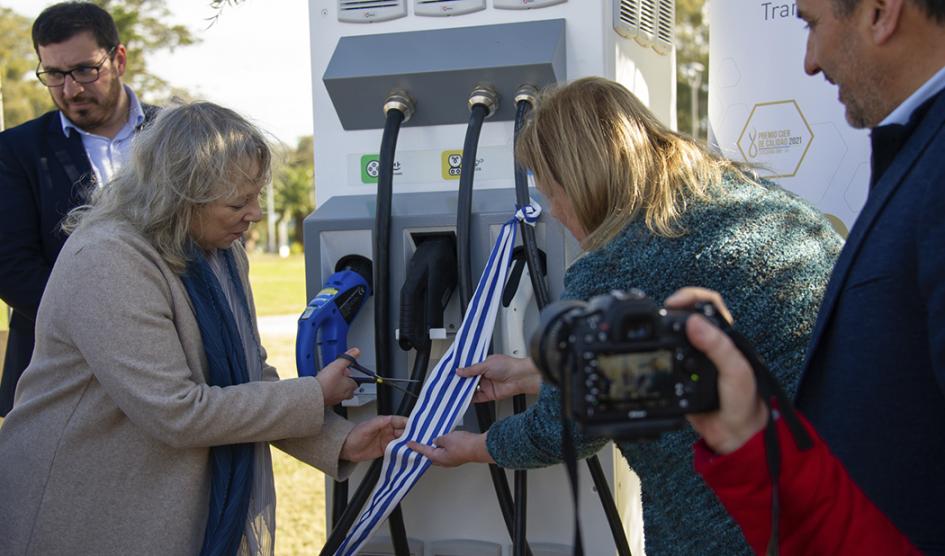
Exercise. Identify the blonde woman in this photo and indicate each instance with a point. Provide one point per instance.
(143, 423)
(655, 210)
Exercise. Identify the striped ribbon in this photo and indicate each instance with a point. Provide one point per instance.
(445, 396)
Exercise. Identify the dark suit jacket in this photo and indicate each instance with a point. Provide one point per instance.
(43, 175)
(874, 378)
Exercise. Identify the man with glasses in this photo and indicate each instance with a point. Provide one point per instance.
(49, 165)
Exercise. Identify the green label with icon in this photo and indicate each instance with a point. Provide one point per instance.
(370, 168)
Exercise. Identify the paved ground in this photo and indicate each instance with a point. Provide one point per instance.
(278, 325)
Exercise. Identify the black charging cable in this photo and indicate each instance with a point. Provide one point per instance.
(525, 100)
(533, 256)
(398, 108)
(481, 104)
(540, 290)
(383, 331)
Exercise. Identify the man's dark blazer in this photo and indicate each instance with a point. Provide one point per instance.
(43, 175)
(874, 379)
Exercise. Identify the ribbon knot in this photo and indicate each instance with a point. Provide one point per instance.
(529, 213)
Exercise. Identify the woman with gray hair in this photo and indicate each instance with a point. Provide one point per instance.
(143, 423)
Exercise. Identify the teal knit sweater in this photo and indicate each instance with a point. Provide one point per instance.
(770, 255)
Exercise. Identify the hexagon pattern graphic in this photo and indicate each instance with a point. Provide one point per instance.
(776, 138)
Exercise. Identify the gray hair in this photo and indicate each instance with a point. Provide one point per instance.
(191, 155)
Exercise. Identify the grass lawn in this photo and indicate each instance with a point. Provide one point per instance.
(278, 284)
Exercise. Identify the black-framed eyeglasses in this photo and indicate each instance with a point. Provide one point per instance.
(80, 74)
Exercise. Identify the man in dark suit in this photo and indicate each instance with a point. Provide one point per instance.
(49, 165)
(874, 378)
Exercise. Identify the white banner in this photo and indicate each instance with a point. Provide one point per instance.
(763, 108)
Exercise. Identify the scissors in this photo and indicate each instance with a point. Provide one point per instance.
(376, 378)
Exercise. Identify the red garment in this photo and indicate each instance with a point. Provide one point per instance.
(822, 510)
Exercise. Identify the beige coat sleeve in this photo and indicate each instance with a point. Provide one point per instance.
(320, 451)
(129, 322)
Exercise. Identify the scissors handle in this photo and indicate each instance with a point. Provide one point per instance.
(374, 377)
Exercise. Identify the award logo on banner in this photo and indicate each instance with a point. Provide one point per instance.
(776, 138)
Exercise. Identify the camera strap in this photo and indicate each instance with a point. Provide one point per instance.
(779, 405)
(771, 394)
(570, 458)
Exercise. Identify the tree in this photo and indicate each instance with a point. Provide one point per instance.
(692, 48)
(143, 28)
(218, 5)
(24, 97)
(292, 179)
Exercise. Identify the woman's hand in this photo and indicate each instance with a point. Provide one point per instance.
(336, 385)
(367, 440)
(455, 448)
(503, 377)
(686, 298)
(741, 412)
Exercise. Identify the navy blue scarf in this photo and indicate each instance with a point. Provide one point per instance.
(232, 464)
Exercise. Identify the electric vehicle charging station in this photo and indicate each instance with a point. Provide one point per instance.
(435, 53)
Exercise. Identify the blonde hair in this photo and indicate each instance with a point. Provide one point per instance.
(615, 160)
(191, 155)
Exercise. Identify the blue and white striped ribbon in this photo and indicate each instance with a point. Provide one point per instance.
(529, 213)
(445, 396)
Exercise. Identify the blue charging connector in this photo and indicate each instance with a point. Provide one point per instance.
(323, 325)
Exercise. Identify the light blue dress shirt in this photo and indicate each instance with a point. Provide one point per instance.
(929, 89)
(108, 155)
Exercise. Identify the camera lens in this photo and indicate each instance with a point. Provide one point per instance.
(546, 348)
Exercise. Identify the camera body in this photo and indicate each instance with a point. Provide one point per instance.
(624, 364)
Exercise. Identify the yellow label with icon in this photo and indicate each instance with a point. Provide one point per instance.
(451, 164)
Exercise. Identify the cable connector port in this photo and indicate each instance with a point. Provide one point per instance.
(528, 93)
(486, 96)
(399, 100)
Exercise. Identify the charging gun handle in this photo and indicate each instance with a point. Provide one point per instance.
(333, 330)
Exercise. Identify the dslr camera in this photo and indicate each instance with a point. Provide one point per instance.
(624, 365)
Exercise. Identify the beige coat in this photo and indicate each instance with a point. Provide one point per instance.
(106, 449)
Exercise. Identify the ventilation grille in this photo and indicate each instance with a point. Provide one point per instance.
(665, 27)
(647, 19)
(369, 11)
(447, 7)
(649, 22)
(524, 4)
(627, 18)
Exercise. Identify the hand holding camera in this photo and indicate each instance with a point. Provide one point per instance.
(741, 412)
(624, 365)
(635, 369)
